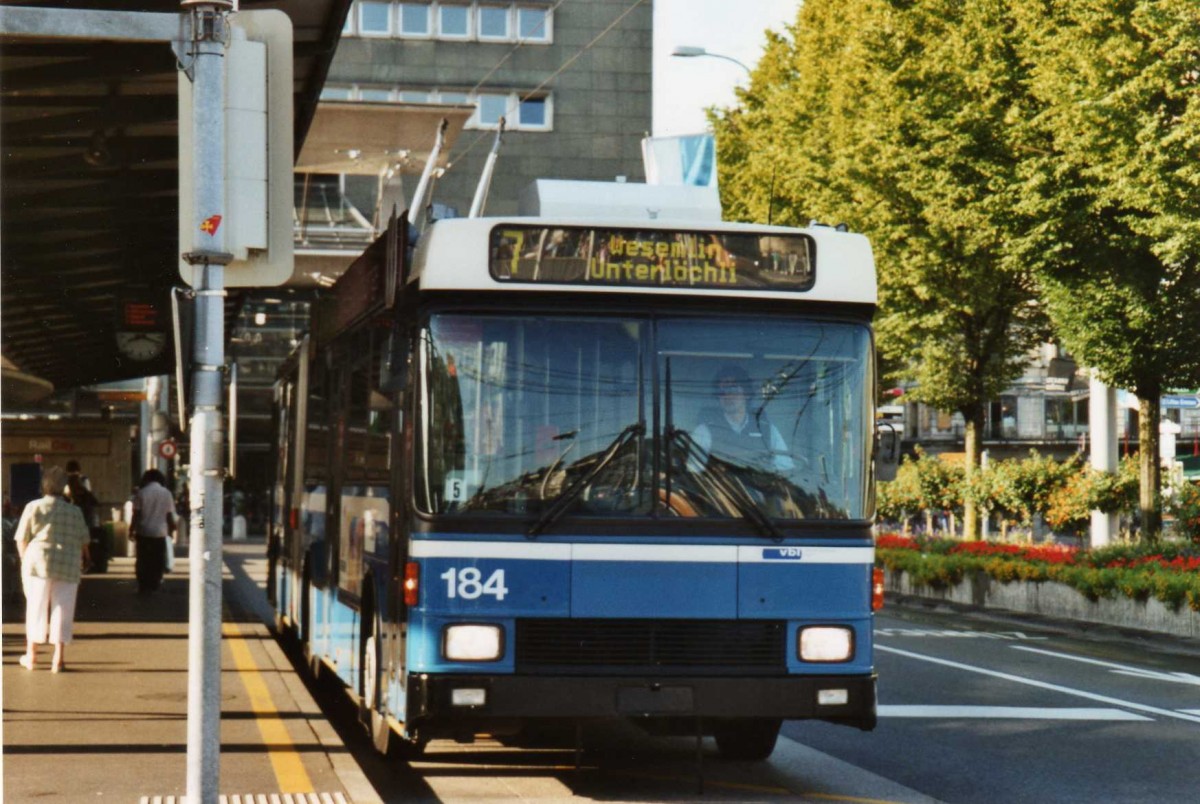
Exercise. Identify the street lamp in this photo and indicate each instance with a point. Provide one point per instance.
(691, 51)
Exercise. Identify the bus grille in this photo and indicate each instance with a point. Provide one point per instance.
(712, 647)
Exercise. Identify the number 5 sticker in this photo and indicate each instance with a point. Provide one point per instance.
(468, 584)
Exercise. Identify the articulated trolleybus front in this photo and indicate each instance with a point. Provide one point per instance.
(578, 469)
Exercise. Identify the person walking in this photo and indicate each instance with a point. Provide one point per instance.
(154, 522)
(79, 491)
(52, 539)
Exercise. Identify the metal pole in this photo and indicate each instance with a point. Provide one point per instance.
(210, 35)
(1102, 427)
(145, 424)
(485, 178)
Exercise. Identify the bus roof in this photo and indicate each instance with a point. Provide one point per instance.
(464, 254)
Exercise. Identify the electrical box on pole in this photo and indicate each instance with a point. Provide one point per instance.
(259, 153)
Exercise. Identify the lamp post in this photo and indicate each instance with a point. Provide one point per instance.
(691, 51)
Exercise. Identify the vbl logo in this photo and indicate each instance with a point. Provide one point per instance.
(783, 553)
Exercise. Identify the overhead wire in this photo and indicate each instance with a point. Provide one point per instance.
(520, 43)
(527, 95)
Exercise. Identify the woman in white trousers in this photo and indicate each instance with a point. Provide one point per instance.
(52, 539)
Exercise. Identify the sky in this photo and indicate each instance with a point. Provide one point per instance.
(685, 87)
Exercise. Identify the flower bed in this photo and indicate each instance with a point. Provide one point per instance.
(1166, 572)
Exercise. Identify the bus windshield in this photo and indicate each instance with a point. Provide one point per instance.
(746, 417)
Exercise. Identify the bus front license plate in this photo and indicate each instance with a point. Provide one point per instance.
(654, 700)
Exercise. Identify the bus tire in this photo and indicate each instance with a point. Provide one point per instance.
(746, 739)
(371, 711)
(368, 666)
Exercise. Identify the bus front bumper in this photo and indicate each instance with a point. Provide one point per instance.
(477, 699)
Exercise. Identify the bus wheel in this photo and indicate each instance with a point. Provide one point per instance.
(746, 739)
(371, 703)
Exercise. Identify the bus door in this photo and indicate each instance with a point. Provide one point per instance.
(364, 498)
(281, 505)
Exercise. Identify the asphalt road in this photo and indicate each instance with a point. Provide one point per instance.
(973, 709)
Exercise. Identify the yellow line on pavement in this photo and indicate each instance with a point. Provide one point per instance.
(285, 761)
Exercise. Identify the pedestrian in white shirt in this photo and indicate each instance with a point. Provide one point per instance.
(154, 522)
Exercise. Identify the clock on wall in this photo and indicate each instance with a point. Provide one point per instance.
(141, 345)
(141, 334)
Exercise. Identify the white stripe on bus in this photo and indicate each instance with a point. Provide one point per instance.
(533, 552)
(677, 553)
(807, 555)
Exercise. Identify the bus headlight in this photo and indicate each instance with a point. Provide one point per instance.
(826, 643)
(473, 643)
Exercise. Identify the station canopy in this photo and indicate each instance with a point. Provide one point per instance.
(89, 229)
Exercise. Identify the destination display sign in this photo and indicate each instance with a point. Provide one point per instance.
(565, 255)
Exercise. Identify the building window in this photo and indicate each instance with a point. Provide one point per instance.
(1002, 418)
(533, 23)
(520, 113)
(484, 21)
(454, 22)
(375, 94)
(336, 93)
(374, 18)
(494, 22)
(1066, 418)
(491, 108)
(414, 19)
(533, 113)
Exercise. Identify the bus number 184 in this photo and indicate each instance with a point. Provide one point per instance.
(468, 583)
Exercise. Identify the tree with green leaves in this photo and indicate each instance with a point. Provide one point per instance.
(1112, 193)
(892, 117)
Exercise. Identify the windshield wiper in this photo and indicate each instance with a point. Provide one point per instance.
(719, 475)
(563, 501)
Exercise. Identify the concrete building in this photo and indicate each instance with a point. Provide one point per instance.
(572, 79)
(1046, 409)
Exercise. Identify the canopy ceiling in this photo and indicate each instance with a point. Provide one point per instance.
(89, 185)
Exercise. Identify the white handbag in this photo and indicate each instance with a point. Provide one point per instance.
(170, 559)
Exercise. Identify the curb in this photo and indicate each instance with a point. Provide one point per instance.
(1054, 602)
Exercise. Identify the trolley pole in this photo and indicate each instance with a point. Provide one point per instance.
(209, 29)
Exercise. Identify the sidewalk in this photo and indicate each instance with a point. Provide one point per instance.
(113, 726)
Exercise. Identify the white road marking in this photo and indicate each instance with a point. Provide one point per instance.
(1091, 696)
(926, 632)
(1009, 712)
(1190, 711)
(1124, 669)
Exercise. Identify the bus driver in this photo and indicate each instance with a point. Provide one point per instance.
(733, 434)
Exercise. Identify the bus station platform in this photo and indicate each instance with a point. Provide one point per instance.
(112, 727)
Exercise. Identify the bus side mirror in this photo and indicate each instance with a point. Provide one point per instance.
(887, 451)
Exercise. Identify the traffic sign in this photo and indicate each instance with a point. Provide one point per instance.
(1180, 401)
(167, 449)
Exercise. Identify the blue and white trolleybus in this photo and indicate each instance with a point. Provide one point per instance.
(579, 467)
